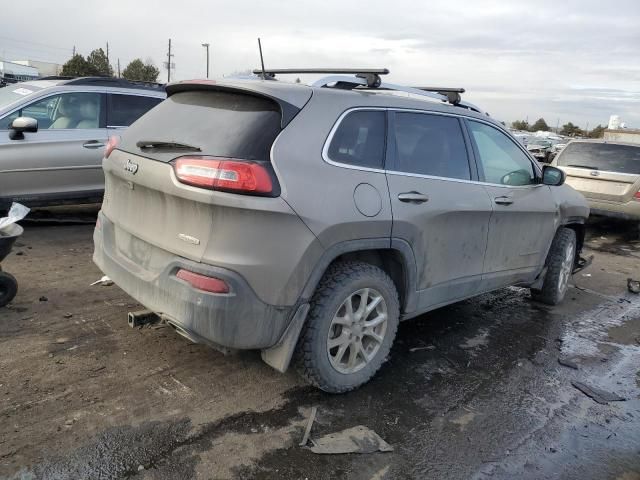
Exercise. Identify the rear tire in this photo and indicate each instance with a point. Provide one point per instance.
(560, 263)
(351, 325)
(8, 288)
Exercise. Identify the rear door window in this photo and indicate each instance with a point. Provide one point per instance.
(360, 139)
(123, 110)
(601, 156)
(222, 124)
(430, 145)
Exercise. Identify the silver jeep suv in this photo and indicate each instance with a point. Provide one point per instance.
(53, 133)
(307, 221)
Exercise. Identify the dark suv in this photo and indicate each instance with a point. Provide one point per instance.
(312, 219)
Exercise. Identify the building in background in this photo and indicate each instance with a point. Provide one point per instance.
(45, 69)
(617, 131)
(11, 72)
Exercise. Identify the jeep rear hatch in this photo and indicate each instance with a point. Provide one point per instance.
(195, 173)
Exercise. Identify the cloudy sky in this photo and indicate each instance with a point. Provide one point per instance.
(567, 60)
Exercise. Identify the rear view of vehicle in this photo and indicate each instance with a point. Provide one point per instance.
(606, 173)
(193, 225)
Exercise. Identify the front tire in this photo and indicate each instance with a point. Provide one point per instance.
(350, 328)
(560, 262)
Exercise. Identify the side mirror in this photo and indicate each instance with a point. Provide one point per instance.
(553, 176)
(21, 125)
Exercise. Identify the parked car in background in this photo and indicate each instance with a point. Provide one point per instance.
(312, 219)
(540, 149)
(53, 133)
(606, 173)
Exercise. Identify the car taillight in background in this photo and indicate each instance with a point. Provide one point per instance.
(202, 282)
(637, 196)
(113, 142)
(226, 174)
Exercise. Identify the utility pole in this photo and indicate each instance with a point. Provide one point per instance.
(119, 68)
(169, 55)
(206, 45)
(558, 125)
(74, 50)
(107, 53)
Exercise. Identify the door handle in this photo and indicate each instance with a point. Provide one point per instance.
(93, 144)
(413, 197)
(504, 200)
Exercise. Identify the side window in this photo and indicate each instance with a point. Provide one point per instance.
(501, 160)
(360, 139)
(430, 145)
(6, 121)
(123, 110)
(67, 110)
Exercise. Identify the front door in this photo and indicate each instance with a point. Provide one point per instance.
(437, 206)
(525, 216)
(63, 159)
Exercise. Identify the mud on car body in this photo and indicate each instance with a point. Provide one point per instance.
(307, 221)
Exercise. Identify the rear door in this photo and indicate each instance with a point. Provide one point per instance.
(602, 171)
(438, 206)
(62, 160)
(525, 216)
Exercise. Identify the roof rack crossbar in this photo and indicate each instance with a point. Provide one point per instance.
(444, 94)
(343, 71)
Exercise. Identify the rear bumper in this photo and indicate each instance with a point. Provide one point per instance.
(238, 320)
(627, 211)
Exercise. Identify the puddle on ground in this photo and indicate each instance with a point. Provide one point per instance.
(627, 334)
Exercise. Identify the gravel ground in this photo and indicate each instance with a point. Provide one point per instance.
(480, 389)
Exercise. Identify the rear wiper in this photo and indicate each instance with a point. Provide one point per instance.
(582, 166)
(142, 144)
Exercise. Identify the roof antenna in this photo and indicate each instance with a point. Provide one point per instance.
(264, 74)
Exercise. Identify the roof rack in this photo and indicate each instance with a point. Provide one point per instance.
(369, 79)
(111, 82)
(451, 95)
(371, 75)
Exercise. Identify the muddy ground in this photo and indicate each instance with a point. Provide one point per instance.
(474, 390)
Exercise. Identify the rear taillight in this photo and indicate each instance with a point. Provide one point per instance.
(637, 196)
(202, 282)
(223, 174)
(113, 142)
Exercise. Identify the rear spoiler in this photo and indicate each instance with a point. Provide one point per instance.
(254, 88)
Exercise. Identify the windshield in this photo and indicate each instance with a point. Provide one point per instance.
(15, 92)
(601, 156)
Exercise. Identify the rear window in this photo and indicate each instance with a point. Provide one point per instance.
(601, 156)
(222, 124)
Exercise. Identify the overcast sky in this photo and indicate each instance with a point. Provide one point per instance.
(564, 60)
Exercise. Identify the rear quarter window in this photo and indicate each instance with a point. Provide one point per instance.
(221, 124)
(359, 139)
(601, 156)
(123, 110)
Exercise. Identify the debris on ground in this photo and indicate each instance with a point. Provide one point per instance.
(358, 439)
(16, 213)
(633, 285)
(307, 430)
(565, 362)
(597, 394)
(417, 349)
(104, 281)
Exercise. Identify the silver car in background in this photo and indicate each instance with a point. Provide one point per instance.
(53, 153)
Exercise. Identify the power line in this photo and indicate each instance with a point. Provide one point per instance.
(35, 43)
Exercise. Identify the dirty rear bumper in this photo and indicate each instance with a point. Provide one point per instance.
(238, 320)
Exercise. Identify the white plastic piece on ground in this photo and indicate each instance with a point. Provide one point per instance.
(16, 213)
(358, 439)
(104, 281)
